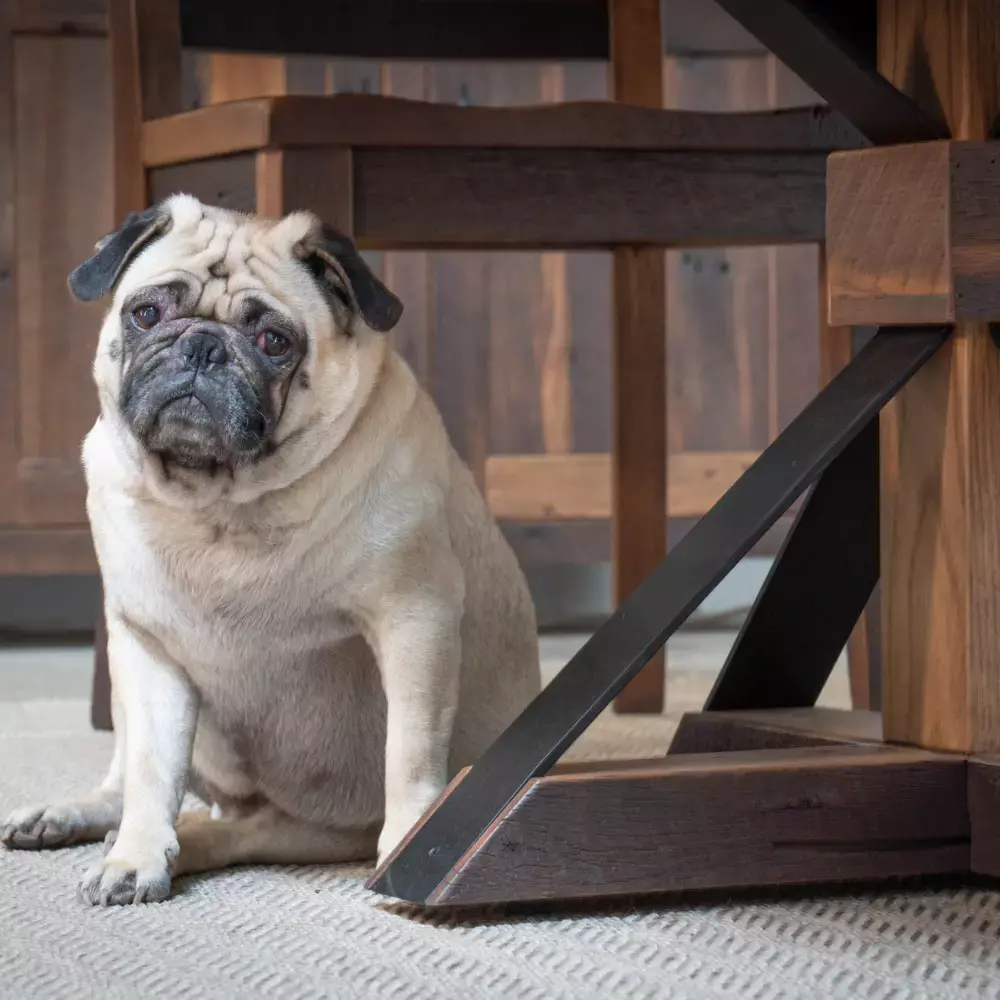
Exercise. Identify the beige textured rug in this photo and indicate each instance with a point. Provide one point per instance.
(314, 932)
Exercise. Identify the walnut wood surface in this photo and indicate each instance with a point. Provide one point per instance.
(715, 732)
(711, 820)
(375, 121)
(941, 435)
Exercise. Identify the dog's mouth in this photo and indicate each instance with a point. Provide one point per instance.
(185, 435)
(199, 423)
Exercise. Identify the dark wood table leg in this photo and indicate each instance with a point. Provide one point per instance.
(707, 821)
(100, 698)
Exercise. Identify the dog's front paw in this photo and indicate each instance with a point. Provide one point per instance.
(397, 827)
(63, 823)
(131, 874)
(35, 827)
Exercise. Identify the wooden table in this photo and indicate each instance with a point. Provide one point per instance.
(900, 455)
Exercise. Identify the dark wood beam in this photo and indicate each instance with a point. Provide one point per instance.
(815, 592)
(403, 29)
(827, 61)
(562, 199)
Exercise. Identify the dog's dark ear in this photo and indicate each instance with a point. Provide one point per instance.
(335, 261)
(97, 275)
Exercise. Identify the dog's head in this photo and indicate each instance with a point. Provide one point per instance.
(230, 336)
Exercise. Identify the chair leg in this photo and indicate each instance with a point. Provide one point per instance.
(638, 380)
(100, 698)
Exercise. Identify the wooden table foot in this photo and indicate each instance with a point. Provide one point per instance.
(709, 821)
(774, 729)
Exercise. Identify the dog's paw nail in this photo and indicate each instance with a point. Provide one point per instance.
(35, 828)
(117, 885)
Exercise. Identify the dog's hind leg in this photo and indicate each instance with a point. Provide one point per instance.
(74, 821)
(266, 836)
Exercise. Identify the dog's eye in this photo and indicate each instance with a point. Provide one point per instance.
(273, 344)
(146, 317)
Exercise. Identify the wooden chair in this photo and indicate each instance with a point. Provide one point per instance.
(629, 178)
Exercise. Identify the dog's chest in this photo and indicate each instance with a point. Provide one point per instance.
(219, 600)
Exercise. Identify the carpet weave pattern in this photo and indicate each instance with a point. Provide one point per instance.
(316, 932)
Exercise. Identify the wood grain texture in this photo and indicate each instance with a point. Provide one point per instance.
(941, 440)
(460, 303)
(158, 33)
(974, 173)
(944, 56)
(718, 307)
(710, 820)
(639, 443)
(384, 121)
(410, 273)
(638, 360)
(794, 301)
(984, 815)
(719, 732)
(588, 199)
(64, 201)
(229, 181)
(232, 76)
(577, 486)
(9, 333)
(59, 17)
(888, 236)
(520, 324)
(319, 180)
(128, 174)
(46, 551)
(912, 235)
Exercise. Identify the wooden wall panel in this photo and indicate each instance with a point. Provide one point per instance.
(794, 303)
(410, 274)
(717, 299)
(461, 304)
(518, 325)
(62, 153)
(588, 294)
(9, 334)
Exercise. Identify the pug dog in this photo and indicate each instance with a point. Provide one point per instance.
(313, 620)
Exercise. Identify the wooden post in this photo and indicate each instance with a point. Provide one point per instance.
(639, 391)
(941, 437)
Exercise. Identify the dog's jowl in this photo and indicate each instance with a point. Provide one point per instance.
(313, 621)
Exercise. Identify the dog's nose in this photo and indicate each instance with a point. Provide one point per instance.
(202, 348)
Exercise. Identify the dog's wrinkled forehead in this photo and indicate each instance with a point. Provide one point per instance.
(305, 265)
(226, 253)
